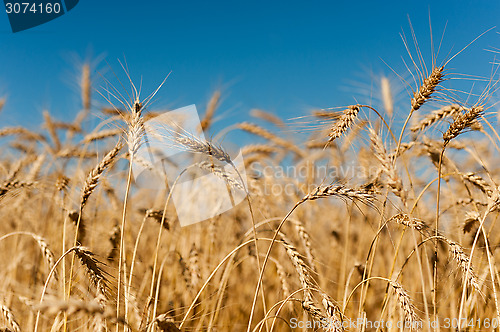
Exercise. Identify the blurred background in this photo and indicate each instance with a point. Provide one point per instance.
(283, 57)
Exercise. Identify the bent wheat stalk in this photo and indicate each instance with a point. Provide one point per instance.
(339, 191)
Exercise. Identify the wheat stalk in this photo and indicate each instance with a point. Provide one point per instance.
(73, 152)
(96, 275)
(259, 131)
(210, 111)
(463, 262)
(387, 99)
(136, 130)
(461, 123)
(86, 86)
(101, 135)
(47, 253)
(73, 307)
(306, 242)
(73, 127)
(479, 182)
(427, 88)
(258, 148)
(340, 191)
(114, 238)
(267, 116)
(197, 145)
(414, 223)
(220, 173)
(9, 317)
(386, 162)
(329, 115)
(95, 174)
(283, 277)
(22, 132)
(300, 266)
(194, 267)
(437, 116)
(9, 186)
(406, 305)
(52, 130)
(35, 168)
(345, 122)
(456, 250)
(326, 323)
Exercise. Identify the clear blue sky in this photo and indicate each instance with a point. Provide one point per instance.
(281, 56)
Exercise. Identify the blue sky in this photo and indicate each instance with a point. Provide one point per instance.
(284, 57)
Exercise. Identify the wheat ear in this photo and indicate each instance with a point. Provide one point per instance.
(259, 131)
(461, 123)
(436, 116)
(93, 267)
(210, 111)
(345, 122)
(267, 116)
(101, 135)
(96, 173)
(300, 266)
(258, 148)
(220, 173)
(386, 162)
(72, 307)
(86, 86)
(387, 99)
(340, 191)
(463, 261)
(406, 305)
(427, 88)
(306, 242)
(9, 317)
(479, 182)
(196, 145)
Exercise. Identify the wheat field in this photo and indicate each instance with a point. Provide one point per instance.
(385, 219)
